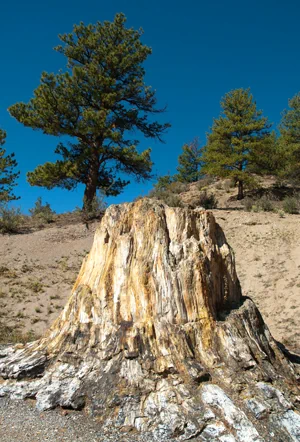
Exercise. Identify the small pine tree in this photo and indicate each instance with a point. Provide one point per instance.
(240, 143)
(289, 140)
(42, 211)
(190, 161)
(8, 175)
(163, 182)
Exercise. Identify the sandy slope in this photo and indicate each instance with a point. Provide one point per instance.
(37, 270)
(267, 250)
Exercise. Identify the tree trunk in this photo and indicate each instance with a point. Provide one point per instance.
(92, 180)
(89, 194)
(241, 190)
(157, 337)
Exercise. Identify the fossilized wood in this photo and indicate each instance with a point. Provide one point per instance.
(156, 335)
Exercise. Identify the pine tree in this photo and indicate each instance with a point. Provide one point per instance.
(289, 141)
(240, 143)
(99, 101)
(8, 175)
(163, 182)
(189, 169)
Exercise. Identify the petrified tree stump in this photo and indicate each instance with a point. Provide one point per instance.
(157, 336)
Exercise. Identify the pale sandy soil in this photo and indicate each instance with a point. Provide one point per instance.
(267, 252)
(37, 271)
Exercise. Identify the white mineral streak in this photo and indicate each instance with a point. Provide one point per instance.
(272, 393)
(257, 408)
(291, 422)
(215, 397)
(154, 333)
(132, 371)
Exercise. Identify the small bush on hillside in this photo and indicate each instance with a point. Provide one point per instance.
(42, 212)
(229, 184)
(35, 286)
(95, 209)
(10, 219)
(291, 205)
(265, 204)
(12, 335)
(248, 203)
(204, 182)
(177, 187)
(169, 195)
(169, 198)
(172, 200)
(163, 182)
(279, 183)
(208, 200)
(232, 183)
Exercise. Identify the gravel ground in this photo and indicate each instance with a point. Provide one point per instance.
(21, 422)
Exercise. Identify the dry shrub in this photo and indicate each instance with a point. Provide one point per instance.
(291, 205)
(229, 184)
(208, 200)
(177, 187)
(248, 203)
(169, 198)
(94, 210)
(12, 335)
(10, 219)
(265, 204)
(42, 212)
(204, 182)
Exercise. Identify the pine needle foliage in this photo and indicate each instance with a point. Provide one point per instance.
(99, 101)
(8, 174)
(289, 140)
(240, 143)
(189, 163)
(163, 182)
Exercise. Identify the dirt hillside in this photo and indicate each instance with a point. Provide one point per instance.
(267, 254)
(37, 272)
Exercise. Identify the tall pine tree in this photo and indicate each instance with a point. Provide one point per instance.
(240, 143)
(99, 101)
(8, 175)
(289, 140)
(189, 168)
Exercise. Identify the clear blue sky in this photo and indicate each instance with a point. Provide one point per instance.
(201, 50)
